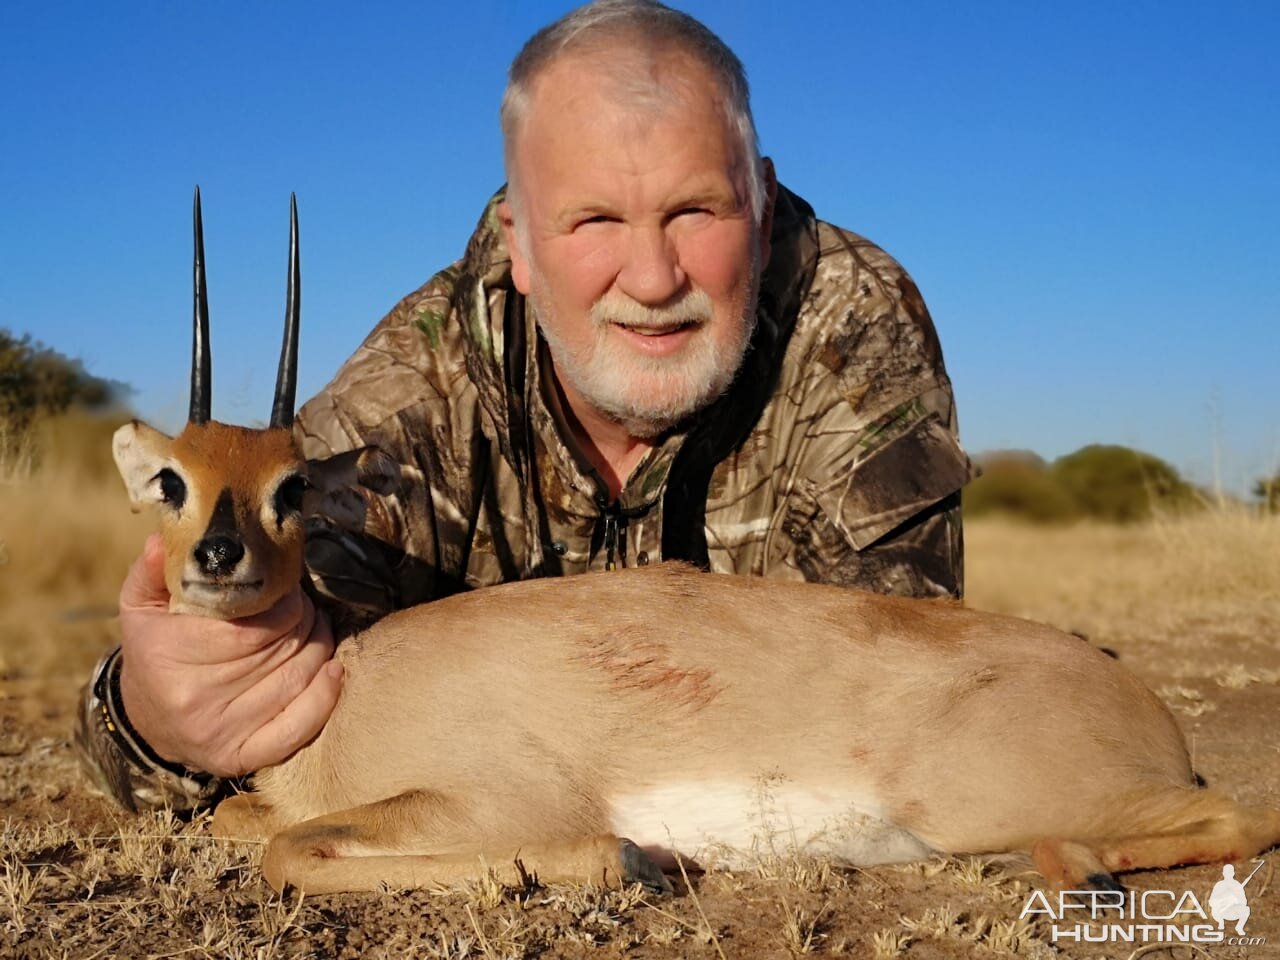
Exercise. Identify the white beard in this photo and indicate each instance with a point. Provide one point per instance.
(648, 395)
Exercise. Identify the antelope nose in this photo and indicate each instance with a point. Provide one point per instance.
(218, 554)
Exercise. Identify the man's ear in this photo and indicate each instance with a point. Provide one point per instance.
(519, 262)
(140, 453)
(766, 218)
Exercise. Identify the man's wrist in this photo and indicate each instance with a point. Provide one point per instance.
(106, 688)
(120, 761)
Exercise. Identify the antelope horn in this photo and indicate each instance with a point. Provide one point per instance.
(287, 374)
(200, 370)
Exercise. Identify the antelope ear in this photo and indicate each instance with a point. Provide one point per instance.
(140, 452)
(333, 485)
(376, 471)
(367, 467)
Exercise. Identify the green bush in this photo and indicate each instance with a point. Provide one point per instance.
(1109, 483)
(1121, 485)
(1268, 490)
(35, 380)
(1017, 483)
(51, 407)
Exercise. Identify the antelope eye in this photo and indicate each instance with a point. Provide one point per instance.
(173, 490)
(289, 495)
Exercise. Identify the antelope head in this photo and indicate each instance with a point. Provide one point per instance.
(232, 499)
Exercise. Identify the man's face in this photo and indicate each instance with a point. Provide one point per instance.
(642, 259)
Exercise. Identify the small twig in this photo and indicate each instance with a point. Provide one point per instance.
(475, 925)
(866, 875)
(110, 946)
(670, 916)
(178, 953)
(169, 836)
(698, 903)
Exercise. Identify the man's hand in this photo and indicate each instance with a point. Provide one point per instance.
(226, 697)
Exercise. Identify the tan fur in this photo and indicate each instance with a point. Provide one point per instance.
(533, 719)
(209, 459)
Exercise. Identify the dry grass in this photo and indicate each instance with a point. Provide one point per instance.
(1191, 605)
(67, 537)
(1218, 569)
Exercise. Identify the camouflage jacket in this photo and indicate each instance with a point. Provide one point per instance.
(833, 457)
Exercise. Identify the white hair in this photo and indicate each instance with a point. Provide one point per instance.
(644, 29)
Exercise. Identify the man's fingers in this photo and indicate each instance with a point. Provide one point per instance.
(306, 647)
(144, 586)
(290, 615)
(153, 556)
(224, 696)
(251, 644)
(278, 682)
(296, 725)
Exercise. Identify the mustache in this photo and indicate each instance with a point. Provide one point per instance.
(693, 308)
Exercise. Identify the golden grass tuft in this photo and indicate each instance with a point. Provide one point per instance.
(1213, 573)
(67, 537)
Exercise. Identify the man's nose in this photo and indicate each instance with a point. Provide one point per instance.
(651, 272)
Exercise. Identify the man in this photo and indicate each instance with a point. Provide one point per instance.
(650, 351)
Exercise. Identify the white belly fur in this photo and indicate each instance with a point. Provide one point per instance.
(733, 823)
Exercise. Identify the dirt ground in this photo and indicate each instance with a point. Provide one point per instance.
(1193, 609)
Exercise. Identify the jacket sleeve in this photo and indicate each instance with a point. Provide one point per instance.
(877, 464)
(406, 392)
(891, 521)
(119, 762)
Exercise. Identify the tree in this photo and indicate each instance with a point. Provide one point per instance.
(1119, 484)
(1268, 489)
(1017, 483)
(36, 380)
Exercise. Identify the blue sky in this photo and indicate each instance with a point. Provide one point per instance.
(1088, 194)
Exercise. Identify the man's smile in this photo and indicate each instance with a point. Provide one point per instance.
(657, 341)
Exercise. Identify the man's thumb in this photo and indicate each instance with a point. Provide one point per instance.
(144, 586)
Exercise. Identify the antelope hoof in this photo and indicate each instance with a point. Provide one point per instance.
(1104, 882)
(638, 868)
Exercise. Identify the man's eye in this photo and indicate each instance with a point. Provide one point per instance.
(598, 218)
(173, 490)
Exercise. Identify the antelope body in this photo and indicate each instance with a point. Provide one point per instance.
(530, 726)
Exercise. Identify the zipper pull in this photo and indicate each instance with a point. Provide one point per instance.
(615, 539)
